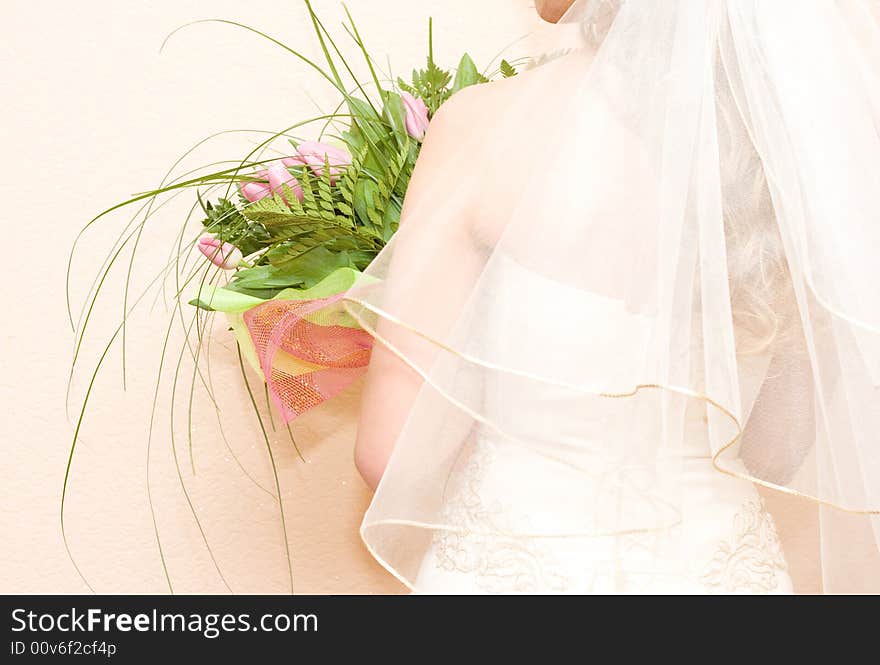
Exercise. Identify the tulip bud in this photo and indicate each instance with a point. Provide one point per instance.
(222, 254)
(416, 112)
(254, 191)
(315, 155)
(280, 176)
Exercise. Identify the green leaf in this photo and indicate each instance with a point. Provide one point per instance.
(466, 75)
(366, 196)
(347, 183)
(304, 271)
(366, 120)
(224, 220)
(507, 70)
(354, 139)
(430, 84)
(337, 281)
(395, 114)
(391, 220)
(280, 221)
(264, 277)
(403, 85)
(218, 299)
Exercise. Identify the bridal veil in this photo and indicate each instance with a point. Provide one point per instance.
(706, 197)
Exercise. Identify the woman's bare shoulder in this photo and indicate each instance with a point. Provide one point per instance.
(479, 107)
(482, 129)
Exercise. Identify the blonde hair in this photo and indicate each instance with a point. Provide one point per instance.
(760, 283)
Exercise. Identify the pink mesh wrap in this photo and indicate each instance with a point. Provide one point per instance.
(324, 356)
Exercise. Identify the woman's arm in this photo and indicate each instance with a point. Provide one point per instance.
(435, 231)
(465, 186)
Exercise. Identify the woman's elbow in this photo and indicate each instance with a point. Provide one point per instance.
(370, 463)
(387, 399)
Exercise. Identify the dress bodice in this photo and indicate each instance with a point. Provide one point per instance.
(577, 345)
(544, 499)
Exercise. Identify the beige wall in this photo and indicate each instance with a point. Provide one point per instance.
(91, 112)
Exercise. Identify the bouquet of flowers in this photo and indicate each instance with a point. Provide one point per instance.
(290, 235)
(302, 227)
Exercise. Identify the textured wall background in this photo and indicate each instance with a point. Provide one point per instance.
(91, 113)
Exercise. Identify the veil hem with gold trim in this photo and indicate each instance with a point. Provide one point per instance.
(695, 195)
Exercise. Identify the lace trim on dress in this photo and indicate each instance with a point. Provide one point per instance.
(500, 563)
(751, 561)
(482, 546)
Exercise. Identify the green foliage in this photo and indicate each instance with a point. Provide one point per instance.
(331, 225)
(430, 84)
(345, 221)
(289, 243)
(225, 221)
(467, 75)
(507, 70)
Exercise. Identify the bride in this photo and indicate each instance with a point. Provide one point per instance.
(632, 285)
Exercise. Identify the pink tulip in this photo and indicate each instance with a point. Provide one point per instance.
(222, 254)
(314, 154)
(254, 191)
(279, 176)
(416, 116)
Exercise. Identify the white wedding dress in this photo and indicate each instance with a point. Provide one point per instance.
(726, 542)
(631, 286)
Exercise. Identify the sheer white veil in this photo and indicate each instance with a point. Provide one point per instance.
(706, 197)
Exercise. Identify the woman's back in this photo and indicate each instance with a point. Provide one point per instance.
(602, 264)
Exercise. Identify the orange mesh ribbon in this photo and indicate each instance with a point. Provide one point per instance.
(309, 350)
